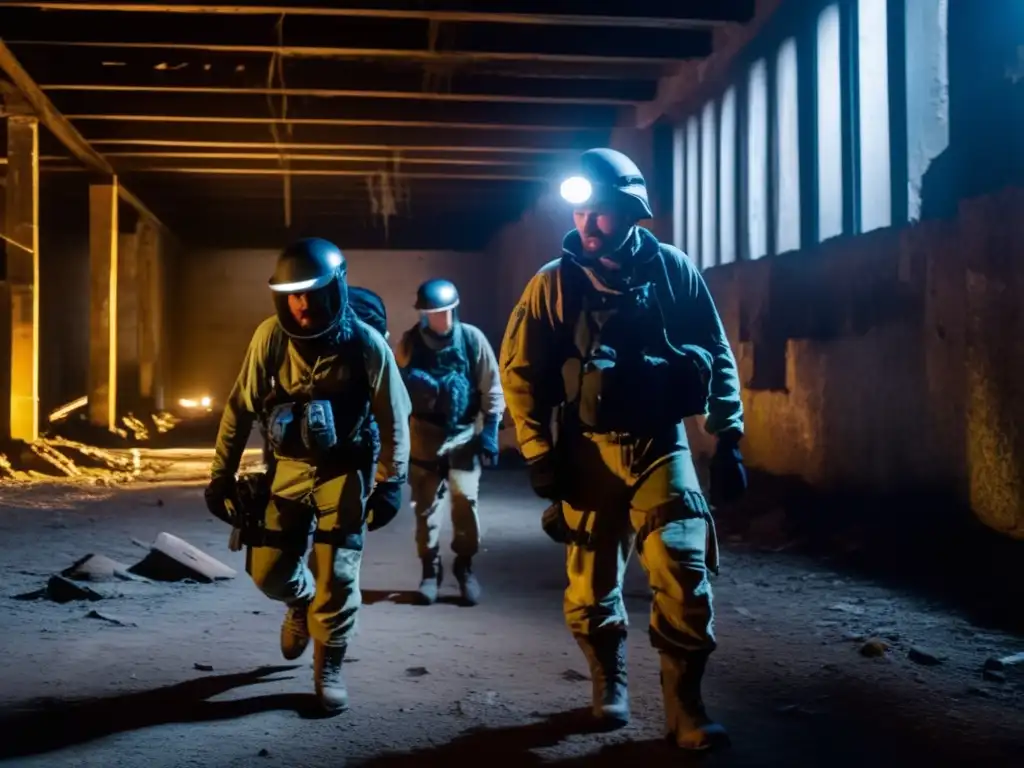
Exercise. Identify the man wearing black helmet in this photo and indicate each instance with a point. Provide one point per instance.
(316, 377)
(457, 404)
(619, 341)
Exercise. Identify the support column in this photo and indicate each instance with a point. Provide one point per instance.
(19, 400)
(103, 305)
(127, 322)
(146, 244)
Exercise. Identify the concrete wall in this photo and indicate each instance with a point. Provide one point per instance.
(217, 298)
(891, 362)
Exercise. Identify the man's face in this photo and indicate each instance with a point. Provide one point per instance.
(602, 228)
(439, 322)
(309, 310)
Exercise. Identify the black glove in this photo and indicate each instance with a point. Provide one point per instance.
(489, 441)
(220, 491)
(383, 505)
(728, 475)
(544, 476)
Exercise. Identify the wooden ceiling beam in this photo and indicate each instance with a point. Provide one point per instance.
(690, 14)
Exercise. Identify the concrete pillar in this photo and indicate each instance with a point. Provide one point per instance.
(127, 321)
(103, 305)
(19, 383)
(147, 276)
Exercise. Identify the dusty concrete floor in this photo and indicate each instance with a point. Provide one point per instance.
(448, 685)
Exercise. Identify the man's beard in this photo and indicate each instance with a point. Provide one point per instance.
(606, 245)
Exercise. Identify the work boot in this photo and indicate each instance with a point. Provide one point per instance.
(295, 631)
(468, 584)
(687, 723)
(433, 573)
(329, 682)
(606, 655)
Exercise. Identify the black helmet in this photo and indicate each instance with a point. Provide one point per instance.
(369, 307)
(612, 178)
(311, 266)
(437, 296)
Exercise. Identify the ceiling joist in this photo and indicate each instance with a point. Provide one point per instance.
(340, 93)
(340, 122)
(453, 58)
(66, 133)
(314, 147)
(638, 14)
(201, 171)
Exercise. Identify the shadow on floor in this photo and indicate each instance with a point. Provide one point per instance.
(514, 746)
(914, 541)
(404, 597)
(46, 725)
(850, 727)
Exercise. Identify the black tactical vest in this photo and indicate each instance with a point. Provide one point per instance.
(342, 380)
(454, 359)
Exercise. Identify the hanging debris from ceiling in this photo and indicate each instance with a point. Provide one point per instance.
(276, 71)
(388, 193)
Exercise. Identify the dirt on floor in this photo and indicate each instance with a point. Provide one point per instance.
(816, 667)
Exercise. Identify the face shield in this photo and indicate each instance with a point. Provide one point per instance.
(311, 307)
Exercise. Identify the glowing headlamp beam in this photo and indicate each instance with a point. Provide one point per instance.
(299, 287)
(576, 190)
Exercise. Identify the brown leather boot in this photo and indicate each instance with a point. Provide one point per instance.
(295, 631)
(687, 723)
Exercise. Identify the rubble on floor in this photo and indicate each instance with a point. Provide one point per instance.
(169, 559)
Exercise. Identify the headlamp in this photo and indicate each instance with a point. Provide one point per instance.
(576, 190)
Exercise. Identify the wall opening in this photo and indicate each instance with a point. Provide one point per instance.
(709, 186)
(678, 186)
(787, 150)
(829, 125)
(757, 160)
(873, 76)
(727, 179)
(693, 191)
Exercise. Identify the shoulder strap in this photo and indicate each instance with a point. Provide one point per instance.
(470, 348)
(574, 284)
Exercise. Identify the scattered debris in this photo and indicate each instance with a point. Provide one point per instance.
(264, 752)
(993, 676)
(174, 559)
(417, 671)
(999, 664)
(874, 648)
(110, 619)
(98, 568)
(203, 667)
(920, 655)
(62, 590)
(572, 676)
(744, 612)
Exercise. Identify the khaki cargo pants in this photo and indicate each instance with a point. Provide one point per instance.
(328, 579)
(626, 493)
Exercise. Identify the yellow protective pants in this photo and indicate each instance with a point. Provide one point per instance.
(333, 511)
(626, 493)
(452, 481)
